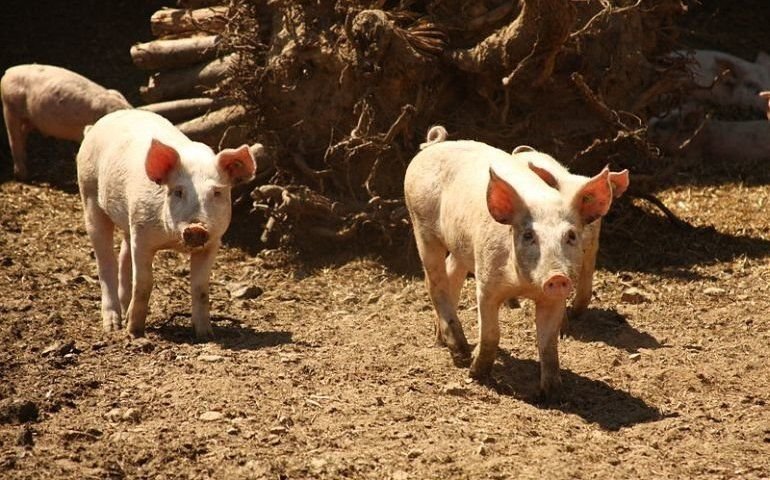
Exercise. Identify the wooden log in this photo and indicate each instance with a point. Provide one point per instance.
(170, 21)
(218, 128)
(185, 109)
(187, 82)
(169, 54)
(198, 3)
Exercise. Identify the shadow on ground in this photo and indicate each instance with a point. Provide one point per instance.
(611, 328)
(229, 333)
(593, 400)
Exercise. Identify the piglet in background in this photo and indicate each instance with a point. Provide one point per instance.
(476, 209)
(138, 172)
(54, 101)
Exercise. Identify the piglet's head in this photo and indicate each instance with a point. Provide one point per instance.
(196, 185)
(546, 237)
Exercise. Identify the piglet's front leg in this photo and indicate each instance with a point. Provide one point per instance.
(141, 263)
(548, 320)
(200, 272)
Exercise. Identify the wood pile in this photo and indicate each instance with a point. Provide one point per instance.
(189, 69)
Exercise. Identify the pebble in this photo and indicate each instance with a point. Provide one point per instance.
(211, 416)
(211, 358)
(634, 296)
(414, 453)
(60, 349)
(454, 389)
(132, 415)
(244, 291)
(114, 414)
(635, 356)
(714, 291)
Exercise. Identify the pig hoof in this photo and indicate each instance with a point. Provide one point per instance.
(550, 392)
(461, 359)
(550, 397)
(135, 332)
(111, 322)
(480, 371)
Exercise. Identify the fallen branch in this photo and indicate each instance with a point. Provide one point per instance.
(179, 110)
(663, 208)
(169, 54)
(211, 127)
(186, 82)
(171, 21)
(199, 3)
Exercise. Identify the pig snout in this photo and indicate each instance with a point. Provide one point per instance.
(558, 285)
(195, 236)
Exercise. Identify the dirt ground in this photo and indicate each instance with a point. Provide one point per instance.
(330, 372)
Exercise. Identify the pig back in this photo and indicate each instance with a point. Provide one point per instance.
(57, 101)
(445, 189)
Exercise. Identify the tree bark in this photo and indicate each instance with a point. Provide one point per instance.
(170, 21)
(198, 3)
(212, 127)
(169, 54)
(186, 82)
(538, 32)
(185, 109)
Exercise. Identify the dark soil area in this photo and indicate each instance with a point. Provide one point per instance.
(330, 372)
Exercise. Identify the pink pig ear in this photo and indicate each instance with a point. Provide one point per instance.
(237, 163)
(594, 199)
(503, 202)
(544, 175)
(161, 161)
(619, 183)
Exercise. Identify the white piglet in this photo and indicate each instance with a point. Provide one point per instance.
(474, 209)
(138, 172)
(54, 101)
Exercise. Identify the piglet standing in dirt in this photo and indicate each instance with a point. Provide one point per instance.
(558, 177)
(54, 101)
(474, 208)
(138, 172)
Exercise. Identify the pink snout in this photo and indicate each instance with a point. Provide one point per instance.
(558, 286)
(195, 236)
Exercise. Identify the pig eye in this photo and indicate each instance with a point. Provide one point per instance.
(178, 192)
(217, 193)
(528, 236)
(571, 237)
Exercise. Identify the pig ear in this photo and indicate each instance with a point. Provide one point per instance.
(619, 183)
(594, 199)
(544, 175)
(161, 161)
(736, 71)
(237, 163)
(502, 200)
